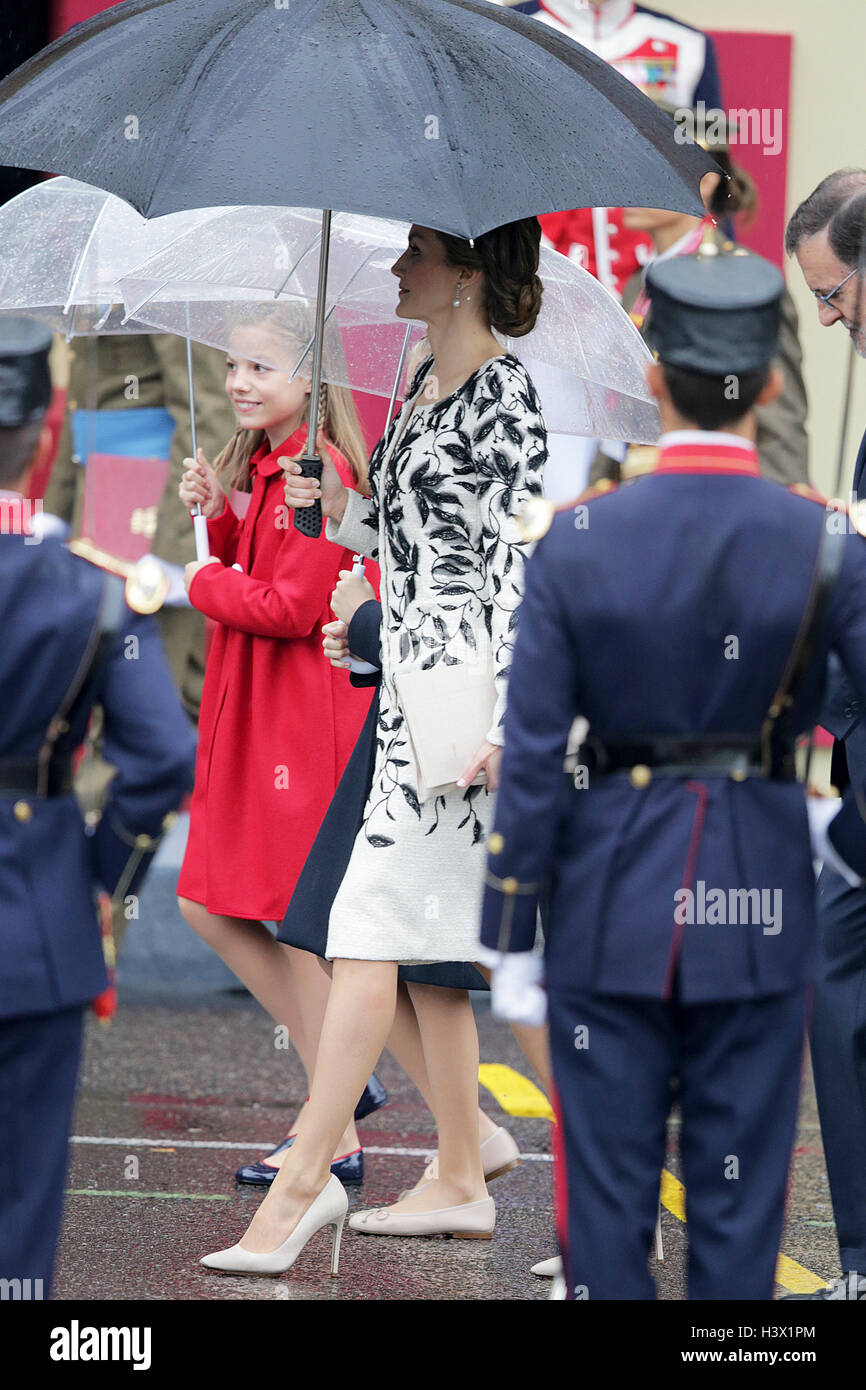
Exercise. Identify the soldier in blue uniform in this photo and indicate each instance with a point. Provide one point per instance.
(68, 640)
(688, 616)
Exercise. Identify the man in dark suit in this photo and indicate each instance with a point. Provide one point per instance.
(68, 640)
(826, 236)
(688, 616)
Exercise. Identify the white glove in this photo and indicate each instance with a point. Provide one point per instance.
(517, 992)
(821, 810)
(177, 595)
(44, 524)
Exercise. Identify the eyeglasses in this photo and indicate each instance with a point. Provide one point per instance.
(825, 298)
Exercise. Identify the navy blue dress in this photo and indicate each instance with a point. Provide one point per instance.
(306, 921)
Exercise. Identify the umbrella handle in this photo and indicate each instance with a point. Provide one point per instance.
(308, 520)
(202, 548)
(354, 663)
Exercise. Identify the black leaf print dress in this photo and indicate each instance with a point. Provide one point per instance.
(439, 521)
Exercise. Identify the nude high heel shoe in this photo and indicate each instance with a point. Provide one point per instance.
(328, 1209)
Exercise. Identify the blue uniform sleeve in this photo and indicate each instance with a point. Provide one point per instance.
(542, 706)
(841, 709)
(709, 88)
(151, 742)
(365, 641)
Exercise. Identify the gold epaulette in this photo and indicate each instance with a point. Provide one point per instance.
(147, 583)
(856, 513)
(535, 518)
(640, 459)
(806, 490)
(86, 550)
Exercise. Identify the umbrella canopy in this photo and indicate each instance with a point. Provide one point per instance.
(458, 114)
(256, 268)
(259, 266)
(65, 246)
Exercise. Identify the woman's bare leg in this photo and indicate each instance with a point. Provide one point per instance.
(450, 1041)
(288, 983)
(405, 1046)
(357, 1022)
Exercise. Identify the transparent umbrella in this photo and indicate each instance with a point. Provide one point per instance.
(65, 246)
(249, 277)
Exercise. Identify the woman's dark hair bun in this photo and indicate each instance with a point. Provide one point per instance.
(736, 195)
(508, 255)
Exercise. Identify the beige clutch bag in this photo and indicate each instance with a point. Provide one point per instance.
(448, 710)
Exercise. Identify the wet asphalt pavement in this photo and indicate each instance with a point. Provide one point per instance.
(168, 1077)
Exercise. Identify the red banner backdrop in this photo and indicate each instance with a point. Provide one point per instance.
(756, 77)
(65, 13)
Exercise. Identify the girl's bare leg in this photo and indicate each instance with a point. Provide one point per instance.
(357, 1022)
(288, 983)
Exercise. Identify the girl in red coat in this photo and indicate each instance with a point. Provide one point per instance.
(278, 723)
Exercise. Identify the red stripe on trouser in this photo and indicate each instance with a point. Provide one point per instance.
(702, 794)
(560, 1177)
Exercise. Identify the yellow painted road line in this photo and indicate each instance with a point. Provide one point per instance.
(516, 1094)
(796, 1278)
(673, 1195)
(792, 1276)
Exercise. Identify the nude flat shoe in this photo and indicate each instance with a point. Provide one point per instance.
(499, 1154)
(468, 1221)
(548, 1269)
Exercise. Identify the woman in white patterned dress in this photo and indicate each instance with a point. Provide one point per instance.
(470, 451)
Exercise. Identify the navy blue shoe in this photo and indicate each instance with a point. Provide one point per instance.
(373, 1098)
(349, 1168)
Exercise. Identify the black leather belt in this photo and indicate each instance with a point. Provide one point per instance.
(23, 777)
(684, 757)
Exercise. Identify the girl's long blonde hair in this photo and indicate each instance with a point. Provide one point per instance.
(336, 416)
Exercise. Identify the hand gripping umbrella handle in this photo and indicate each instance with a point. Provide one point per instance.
(354, 663)
(308, 520)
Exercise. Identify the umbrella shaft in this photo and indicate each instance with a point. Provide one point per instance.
(310, 451)
(191, 388)
(398, 374)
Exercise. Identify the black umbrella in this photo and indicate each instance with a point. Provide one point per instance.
(456, 114)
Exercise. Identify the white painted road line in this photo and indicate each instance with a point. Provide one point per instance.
(223, 1144)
